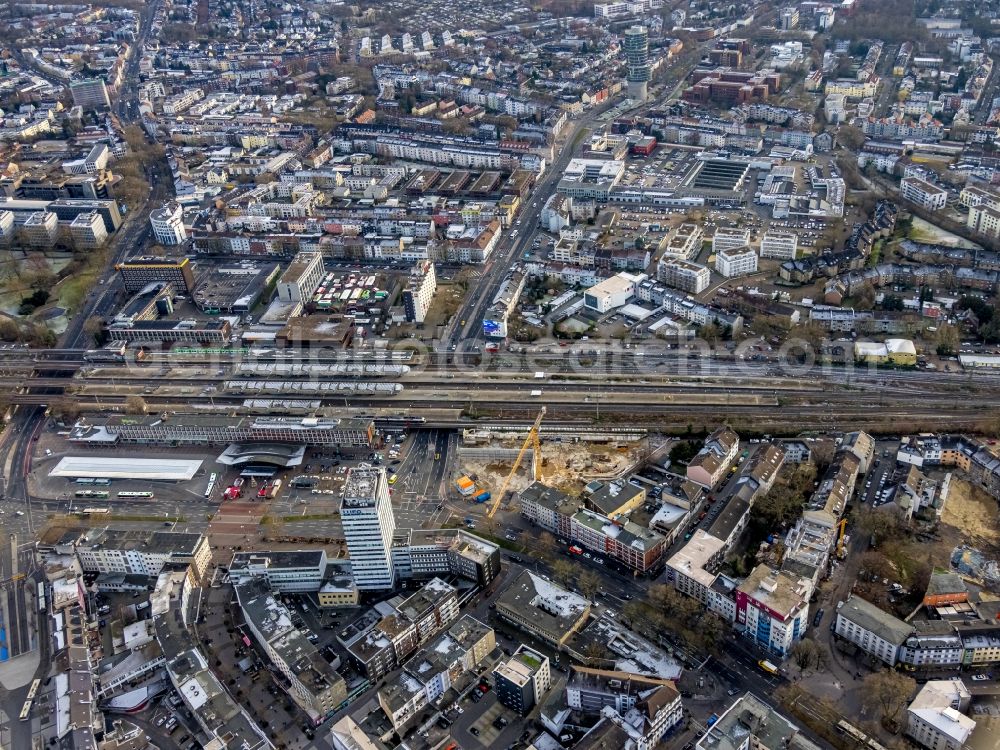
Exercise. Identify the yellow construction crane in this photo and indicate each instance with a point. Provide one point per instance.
(533, 441)
(841, 550)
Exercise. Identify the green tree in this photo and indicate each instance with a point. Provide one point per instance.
(892, 302)
(946, 340)
(683, 452)
(710, 332)
(94, 327)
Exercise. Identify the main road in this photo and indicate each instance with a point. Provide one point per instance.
(467, 324)
(466, 327)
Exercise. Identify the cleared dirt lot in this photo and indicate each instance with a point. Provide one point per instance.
(970, 517)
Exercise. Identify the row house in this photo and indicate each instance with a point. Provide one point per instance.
(627, 542)
(711, 463)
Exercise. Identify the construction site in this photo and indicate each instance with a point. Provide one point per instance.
(492, 461)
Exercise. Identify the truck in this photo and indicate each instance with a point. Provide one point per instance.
(767, 666)
(482, 496)
(711, 720)
(275, 487)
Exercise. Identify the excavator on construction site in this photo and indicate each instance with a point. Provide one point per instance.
(532, 441)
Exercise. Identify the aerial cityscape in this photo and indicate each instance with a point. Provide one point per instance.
(617, 375)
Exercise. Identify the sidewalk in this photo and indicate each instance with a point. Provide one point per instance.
(17, 672)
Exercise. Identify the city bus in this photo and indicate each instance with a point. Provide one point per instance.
(211, 484)
(26, 708)
(134, 495)
(97, 511)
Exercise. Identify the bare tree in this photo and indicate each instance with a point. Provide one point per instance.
(136, 405)
(546, 545)
(804, 654)
(64, 409)
(589, 584)
(93, 326)
(563, 571)
(888, 693)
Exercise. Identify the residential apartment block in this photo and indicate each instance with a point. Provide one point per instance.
(772, 608)
(779, 245)
(136, 552)
(683, 274)
(730, 239)
(984, 214)
(301, 278)
(690, 569)
(711, 463)
(935, 718)
(419, 292)
(646, 708)
(388, 642)
(923, 193)
(685, 243)
(752, 723)
(167, 222)
(875, 632)
(87, 231)
(737, 261)
(608, 532)
(426, 553)
(522, 681)
(441, 665)
(286, 571)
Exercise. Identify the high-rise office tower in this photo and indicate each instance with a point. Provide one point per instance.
(366, 513)
(636, 46)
